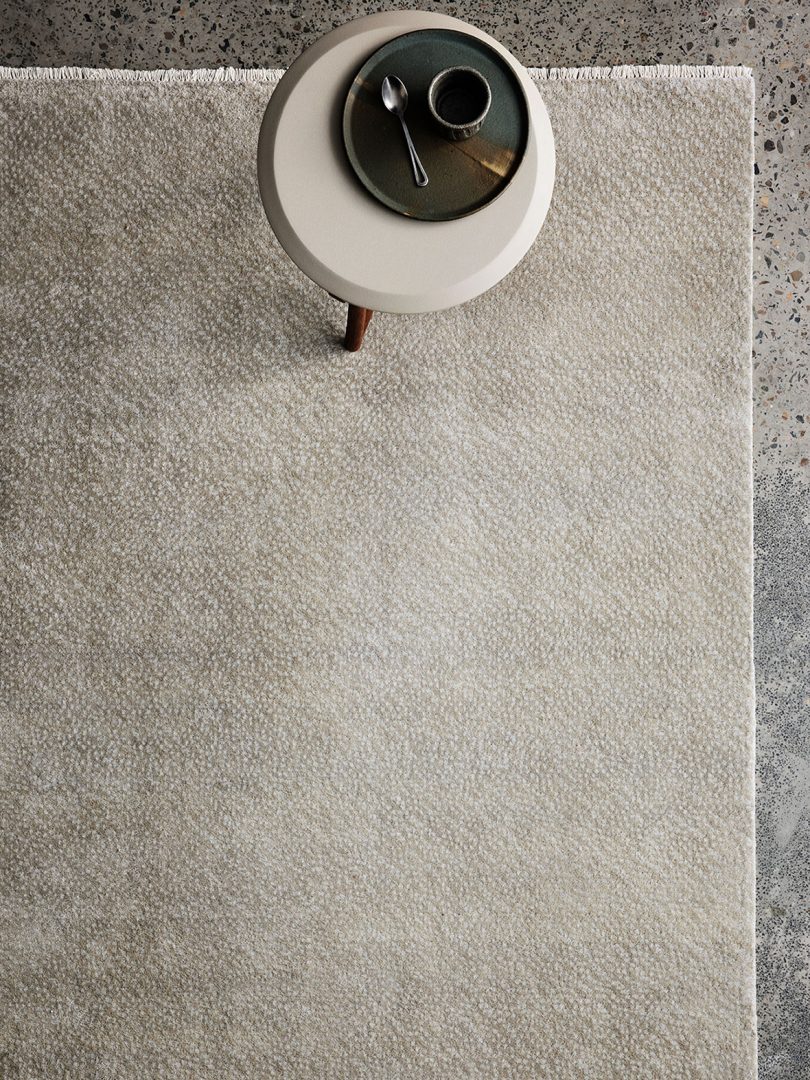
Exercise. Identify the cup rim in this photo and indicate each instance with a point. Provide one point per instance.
(475, 120)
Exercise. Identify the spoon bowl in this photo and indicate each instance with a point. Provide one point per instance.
(395, 95)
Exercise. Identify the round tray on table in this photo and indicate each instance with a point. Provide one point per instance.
(464, 176)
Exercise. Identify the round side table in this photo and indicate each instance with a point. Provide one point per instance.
(347, 242)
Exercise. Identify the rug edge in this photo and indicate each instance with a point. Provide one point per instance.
(161, 75)
(645, 71)
(272, 75)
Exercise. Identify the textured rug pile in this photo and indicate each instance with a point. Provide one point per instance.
(378, 715)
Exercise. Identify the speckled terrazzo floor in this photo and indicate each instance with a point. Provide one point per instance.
(773, 38)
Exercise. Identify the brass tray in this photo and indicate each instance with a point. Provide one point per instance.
(464, 176)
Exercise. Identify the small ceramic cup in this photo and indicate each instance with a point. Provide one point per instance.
(459, 99)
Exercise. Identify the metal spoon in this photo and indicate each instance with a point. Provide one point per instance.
(395, 99)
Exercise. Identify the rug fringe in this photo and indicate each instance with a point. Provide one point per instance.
(645, 71)
(163, 75)
(271, 75)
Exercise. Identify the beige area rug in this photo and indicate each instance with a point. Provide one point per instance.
(381, 715)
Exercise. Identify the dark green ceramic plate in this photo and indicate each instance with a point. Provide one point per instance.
(464, 176)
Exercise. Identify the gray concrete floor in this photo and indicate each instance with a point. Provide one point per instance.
(773, 38)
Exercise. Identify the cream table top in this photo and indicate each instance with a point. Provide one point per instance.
(338, 234)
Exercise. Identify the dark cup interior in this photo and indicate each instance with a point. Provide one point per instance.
(460, 97)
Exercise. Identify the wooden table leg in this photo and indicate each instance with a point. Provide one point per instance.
(356, 323)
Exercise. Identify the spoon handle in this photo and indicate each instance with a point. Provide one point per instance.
(419, 174)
